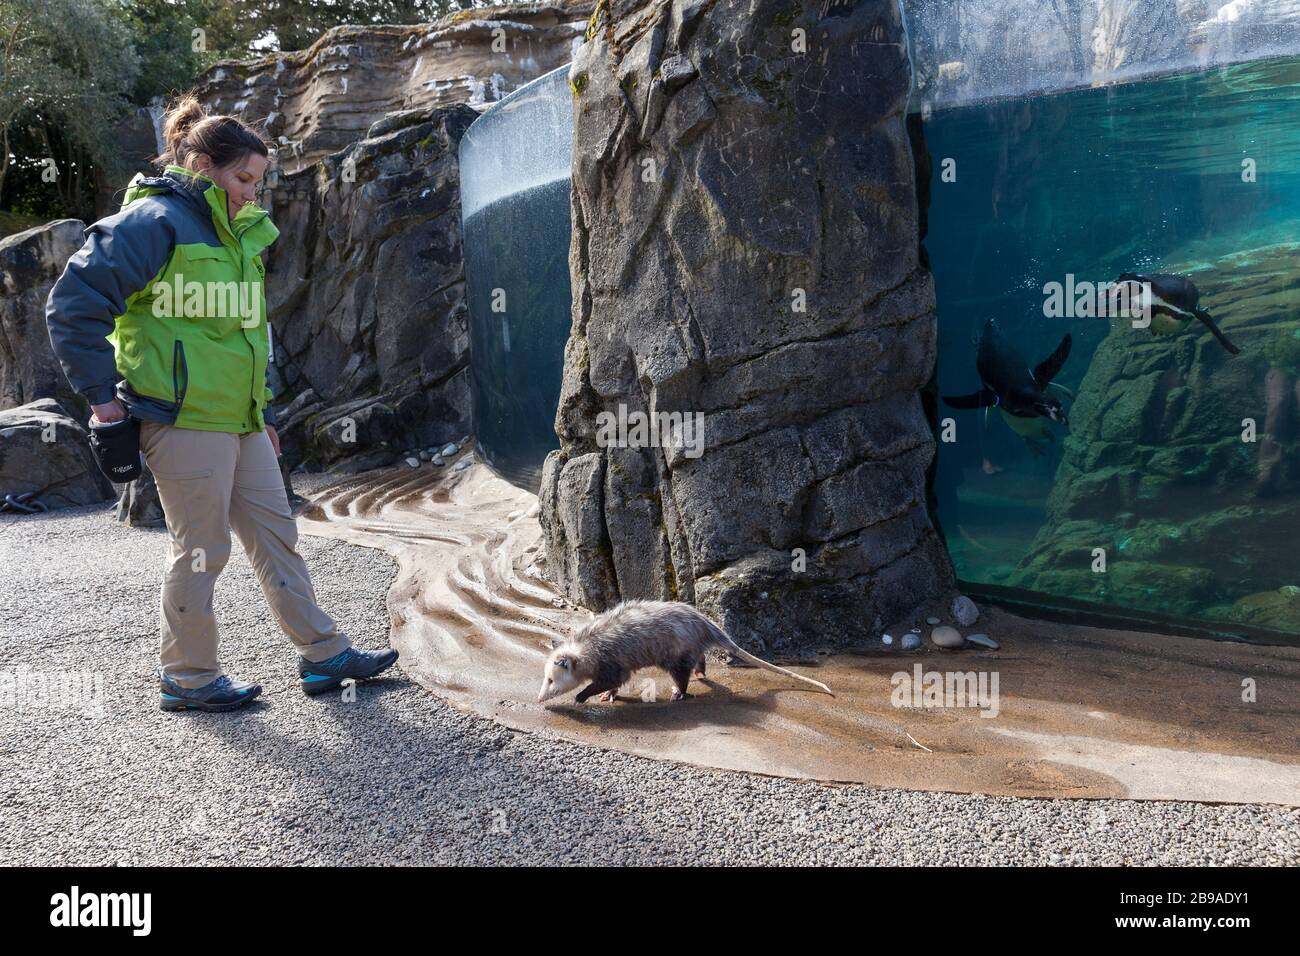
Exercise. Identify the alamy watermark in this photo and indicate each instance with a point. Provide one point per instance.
(636, 429)
(25, 690)
(1098, 300)
(942, 689)
(209, 300)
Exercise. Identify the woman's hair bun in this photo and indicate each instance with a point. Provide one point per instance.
(189, 131)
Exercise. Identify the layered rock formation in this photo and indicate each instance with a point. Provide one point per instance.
(44, 451)
(1196, 510)
(745, 248)
(320, 100)
(365, 294)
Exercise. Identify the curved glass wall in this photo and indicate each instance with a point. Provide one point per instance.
(514, 170)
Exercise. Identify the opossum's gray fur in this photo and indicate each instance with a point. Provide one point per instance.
(636, 634)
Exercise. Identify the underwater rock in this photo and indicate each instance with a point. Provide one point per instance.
(911, 642)
(692, 297)
(932, 620)
(886, 639)
(946, 637)
(448, 450)
(1278, 609)
(1155, 470)
(983, 640)
(964, 611)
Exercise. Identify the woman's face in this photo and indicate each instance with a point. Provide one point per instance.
(240, 179)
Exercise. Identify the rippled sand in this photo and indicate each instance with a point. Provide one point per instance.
(1082, 712)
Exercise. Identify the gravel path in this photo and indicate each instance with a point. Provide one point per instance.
(398, 776)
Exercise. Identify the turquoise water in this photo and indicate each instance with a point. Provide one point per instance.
(517, 269)
(514, 163)
(1156, 474)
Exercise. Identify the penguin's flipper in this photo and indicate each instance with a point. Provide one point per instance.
(1223, 339)
(1048, 367)
(981, 399)
(1061, 388)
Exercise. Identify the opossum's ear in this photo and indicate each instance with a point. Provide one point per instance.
(554, 642)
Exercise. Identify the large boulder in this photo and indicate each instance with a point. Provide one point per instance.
(320, 100)
(745, 247)
(46, 452)
(366, 294)
(30, 262)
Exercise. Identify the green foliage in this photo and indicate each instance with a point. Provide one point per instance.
(67, 68)
(70, 70)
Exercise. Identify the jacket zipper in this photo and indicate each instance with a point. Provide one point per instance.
(178, 363)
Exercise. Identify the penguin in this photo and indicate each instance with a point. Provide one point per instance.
(1174, 301)
(1010, 384)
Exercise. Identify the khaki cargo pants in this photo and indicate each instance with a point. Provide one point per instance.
(208, 483)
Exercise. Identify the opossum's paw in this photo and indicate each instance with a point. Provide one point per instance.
(608, 697)
(679, 695)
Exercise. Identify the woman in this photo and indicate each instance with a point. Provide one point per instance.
(161, 316)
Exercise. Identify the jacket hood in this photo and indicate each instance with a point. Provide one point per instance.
(207, 199)
(190, 188)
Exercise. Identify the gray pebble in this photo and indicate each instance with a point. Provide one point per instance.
(946, 637)
(965, 611)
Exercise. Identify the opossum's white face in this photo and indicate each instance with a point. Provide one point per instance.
(559, 677)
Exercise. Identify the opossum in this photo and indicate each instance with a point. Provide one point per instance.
(636, 634)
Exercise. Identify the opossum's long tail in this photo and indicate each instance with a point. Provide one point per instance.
(724, 640)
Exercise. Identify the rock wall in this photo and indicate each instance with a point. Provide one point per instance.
(365, 294)
(320, 100)
(30, 263)
(721, 180)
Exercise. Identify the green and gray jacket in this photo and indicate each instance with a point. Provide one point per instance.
(163, 307)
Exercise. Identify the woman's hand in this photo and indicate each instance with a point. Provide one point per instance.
(112, 411)
(275, 439)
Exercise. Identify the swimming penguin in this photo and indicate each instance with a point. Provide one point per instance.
(1010, 384)
(1174, 301)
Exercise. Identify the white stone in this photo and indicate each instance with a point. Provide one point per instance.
(413, 462)
(448, 450)
(946, 637)
(911, 642)
(983, 640)
(886, 638)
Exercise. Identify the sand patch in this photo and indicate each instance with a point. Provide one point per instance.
(1082, 712)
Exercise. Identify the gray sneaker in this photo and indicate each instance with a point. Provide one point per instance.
(215, 696)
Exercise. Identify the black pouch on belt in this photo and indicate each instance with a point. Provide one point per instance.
(117, 448)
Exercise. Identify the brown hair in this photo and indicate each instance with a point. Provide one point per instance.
(189, 132)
